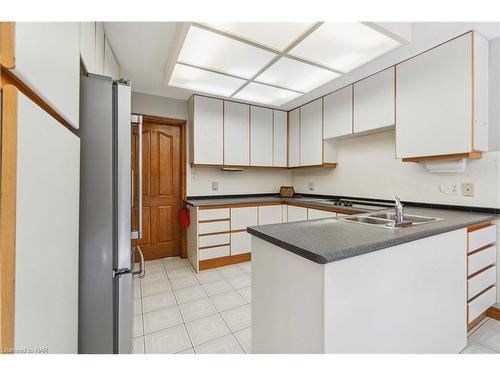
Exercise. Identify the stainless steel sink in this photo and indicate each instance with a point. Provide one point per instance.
(415, 219)
(366, 220)
(386, 219)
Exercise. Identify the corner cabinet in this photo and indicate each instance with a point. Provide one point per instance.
(338, 108)
(442, 101)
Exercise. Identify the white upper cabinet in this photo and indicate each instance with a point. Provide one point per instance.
(311, 133)
(338, 113)
(99, 48)
(441, 100)
(87, 45)
(261, 136)
(111, 68)
(280, 138)
(236, 134)
(374, 102)
(293, 138)
(207, 130)
(47, 60)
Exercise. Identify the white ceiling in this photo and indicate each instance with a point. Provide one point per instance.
(143, 50)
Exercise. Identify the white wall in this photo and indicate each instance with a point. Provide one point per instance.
(199, 180)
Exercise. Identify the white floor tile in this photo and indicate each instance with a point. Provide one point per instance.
(136, 289)
(137, 326)
(174, 263)
(244, 337)
(206, 329)
(154, 268)
(184, 282)
(187, 351)
(155, 287)
(158, 301)
(179, 272)
(246, 267)
(217, 287)
(246, 293)
(138, 345)
(241, 281)
(152, 277)
(208, 276)
(230, 271)
(238, 318)
(477, 326)
(170, 340)
(197, 309)
(190, 294)
(161, 319)
(223, 345)
(474, 348)
(228, 300)
(488, 335)
(137, 306)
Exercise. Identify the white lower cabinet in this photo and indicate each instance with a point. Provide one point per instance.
(241, 243)
(480, 304)
(215, 252)
(270, 215)
(481, 281)
(296, 213)
(313, 213)
(213, 214)
(481, 259)
(243, 217)
(214, 227)
(214, 240)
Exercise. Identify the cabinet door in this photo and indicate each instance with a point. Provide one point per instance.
(87, 45)
(208, 131)
(338, 113)
(296, 214)
(374, 102)
(47, 57)
(319, 214)
(99, 48)
(311, 133)
(111, 68)
(241, 243)
(236, 137)
(294, 138)
(261, 136)
(280, 138)
(434, 101)
(270, 215)
(243, 217)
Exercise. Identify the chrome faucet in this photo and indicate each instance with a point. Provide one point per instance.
(399, 218)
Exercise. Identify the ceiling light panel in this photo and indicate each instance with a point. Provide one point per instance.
(277, 35)
(343, 46)
(204, 81)
(296, 75)
(264, 94)
(210, 50)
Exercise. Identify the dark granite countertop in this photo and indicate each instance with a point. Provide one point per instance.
(329, 240)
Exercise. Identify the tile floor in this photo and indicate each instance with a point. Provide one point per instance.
(177, 311)
(484, 338)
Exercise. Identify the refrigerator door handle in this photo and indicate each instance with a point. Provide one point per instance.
(137, 234)
(141, 271)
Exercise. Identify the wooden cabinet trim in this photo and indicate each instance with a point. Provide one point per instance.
(224, 261)
(475, 227)
(480, 293)
(467, 155)
(7, 35)
(479, 272)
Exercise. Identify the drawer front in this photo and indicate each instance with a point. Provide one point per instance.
(270, 215)
(214, 252)
(213, 214)
(482, 303)
(481, 259)
(482, 237)
(213, 240)
(241, 243)
(482, 281)
(213, 227)
(319, 214)
(243, 217)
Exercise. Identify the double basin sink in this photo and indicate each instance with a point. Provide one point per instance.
(387, 219)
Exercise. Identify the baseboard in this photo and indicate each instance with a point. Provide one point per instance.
(493, 312)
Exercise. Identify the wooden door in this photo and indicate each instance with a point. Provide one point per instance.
(161, 189)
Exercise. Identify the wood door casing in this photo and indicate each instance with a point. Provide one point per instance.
(161, 189)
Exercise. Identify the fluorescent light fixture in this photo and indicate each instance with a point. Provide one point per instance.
(259, 93)
(277, 35)
(343, 46)
(296, 75)
(204, 81)
(206, 49)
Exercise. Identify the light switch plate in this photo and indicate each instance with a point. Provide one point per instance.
(215, 185)
(468, 189)
(311, 185)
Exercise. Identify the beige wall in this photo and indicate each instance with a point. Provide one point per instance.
(199, 180)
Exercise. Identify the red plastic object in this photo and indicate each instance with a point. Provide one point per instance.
(184, 217)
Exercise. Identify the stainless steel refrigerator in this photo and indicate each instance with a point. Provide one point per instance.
(106, 202)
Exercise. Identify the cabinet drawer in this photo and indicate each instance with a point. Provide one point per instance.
(482, 281)
(319, 214)
(213, 227)
(481, 259)
(214, 252)
(482, 303)
(482, 237)
(270, 215)
(241, 243)
(214, 214)
(243, 217)
(214, 240)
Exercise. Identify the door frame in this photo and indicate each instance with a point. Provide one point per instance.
(181, 124)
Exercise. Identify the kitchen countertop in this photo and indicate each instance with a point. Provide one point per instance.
(329, 240)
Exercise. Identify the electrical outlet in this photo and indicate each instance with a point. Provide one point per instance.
(449, 189)
(215, 185)
(468, 189)
(311, 185)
